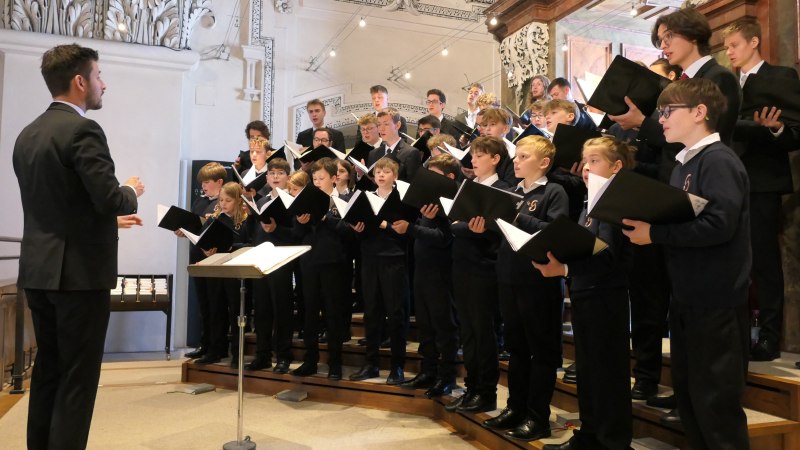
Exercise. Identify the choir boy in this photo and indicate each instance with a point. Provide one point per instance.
(409, 158)
(560, 89)
(436, 102)
(316, 113)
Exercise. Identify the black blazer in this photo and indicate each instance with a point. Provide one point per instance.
(729, 85)
(403, 129)
(306, 138)
(70, 201)
(764, 156)
(449, 127)
(410, 158)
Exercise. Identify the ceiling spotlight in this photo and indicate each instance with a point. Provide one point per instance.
(565, 47)
(122, 27)
(332, 53)
(493, 21)
(362, 23)
(633, 11)
(407, 76)
(445, 52)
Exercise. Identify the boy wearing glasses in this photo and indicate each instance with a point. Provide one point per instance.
(316, 113)
(435, 101)
(709, 261)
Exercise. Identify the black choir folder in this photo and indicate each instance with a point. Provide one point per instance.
(357, 209)
(248, 262)
(567, 240)
(569, 141)
(310, 200)
(627, 78)
(273, 209)
(475, 199)
(761, 91)
(173, 218)
(629, 195)
(371, 209)
(217, 234)
(427, 187)
(256, 184)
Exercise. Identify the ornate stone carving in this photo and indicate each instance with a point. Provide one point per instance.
(267, 63)
(167, 23)
(525, 54)
(283, 6)
(473, 14)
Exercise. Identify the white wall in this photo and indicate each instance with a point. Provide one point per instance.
(163, 107)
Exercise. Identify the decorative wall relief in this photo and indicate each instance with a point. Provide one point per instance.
(474, 13)
(525, 54)
(166, 23)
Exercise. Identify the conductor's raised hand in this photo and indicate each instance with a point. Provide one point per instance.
(640, 234)
(136, 184)
(131, 220)
(553, 268)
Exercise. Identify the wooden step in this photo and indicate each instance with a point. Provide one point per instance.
(772, 387)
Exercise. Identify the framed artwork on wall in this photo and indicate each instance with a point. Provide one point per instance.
(647, 55)
(586, 55)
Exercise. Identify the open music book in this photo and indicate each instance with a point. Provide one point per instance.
(248, 262)
(173, 218)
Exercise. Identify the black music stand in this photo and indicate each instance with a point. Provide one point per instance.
(249, 262)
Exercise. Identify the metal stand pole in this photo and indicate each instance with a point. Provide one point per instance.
(241, 443)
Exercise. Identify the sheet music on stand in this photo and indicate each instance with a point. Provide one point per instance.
(248, 262)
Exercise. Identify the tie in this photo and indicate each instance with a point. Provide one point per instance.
(388, 151)
(684, 76)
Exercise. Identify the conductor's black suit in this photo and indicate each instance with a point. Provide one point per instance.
(68, 264)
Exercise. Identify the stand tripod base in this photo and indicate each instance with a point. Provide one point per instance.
(245, 444)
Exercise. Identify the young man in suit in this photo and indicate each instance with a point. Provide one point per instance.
(410, 159)
(560, 89)
(316, 113)
(380, 101)
(70, 200)
(469, 117)
(758, 142)
(436, 101)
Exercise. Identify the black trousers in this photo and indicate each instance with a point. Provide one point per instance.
(602, 358)
(70, 330)
(436, 322)
(206, 290)
(476, 301)
(649, 298)
(325, 287)
(709, 354)
(386, 295)
(272, 299)
(532, 315)
(767, 271)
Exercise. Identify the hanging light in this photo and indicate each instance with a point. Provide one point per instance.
(445, 52)
(332, 53)
(565, 47)
(362, 23)
(633, 11)
(493, 21)
(122, 27)
(407, 76)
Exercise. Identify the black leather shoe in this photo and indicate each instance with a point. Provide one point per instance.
(386, 344)
(452, 406)
(258, 364)
(395, 376)
(572, 444)
(665, 402)
(305, 370)
(529, 431)
(323, 337)
(507, 419)
(282, 366)
(765, 350)
(199, 352)
(643, 389)
(672, 418)
(478, 403)
(335, 373)
(421, 381)
(208, 359)
(440, 388)
(797, 364)
(235, 362)
(572, 368)
(503, 356)
(367, 371)
(362, 342)
(570, 378)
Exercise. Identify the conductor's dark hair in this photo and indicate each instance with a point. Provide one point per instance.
(438, 93)
(259, 126)
(63, 63)
(688, 23)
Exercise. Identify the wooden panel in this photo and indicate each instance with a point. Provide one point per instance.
(586, 55)
(647, 55)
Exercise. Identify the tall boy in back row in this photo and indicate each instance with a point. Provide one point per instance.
(708, 259)
(763, 143)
